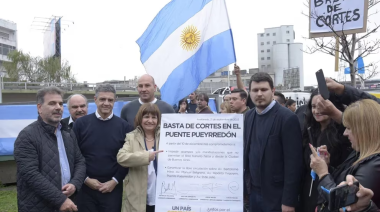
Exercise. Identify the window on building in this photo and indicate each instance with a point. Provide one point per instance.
(268, 42)
(274, 34)
(5, 49)
(268, 58)
(287, 32)
(262, 35)
(274, 42)
(4, 35)
(262, 66)
(262, 43)
(262, 51)
(268, 66)
(268, 50)
(267, 34)
(262, 58)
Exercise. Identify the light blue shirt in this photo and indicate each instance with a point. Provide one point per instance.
(270, 106)
(65, 167)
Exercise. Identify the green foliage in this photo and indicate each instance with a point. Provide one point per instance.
(8, 199)
(26, 68)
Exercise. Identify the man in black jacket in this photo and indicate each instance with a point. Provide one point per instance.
(77, 105)
(50, 166)
(272, 151)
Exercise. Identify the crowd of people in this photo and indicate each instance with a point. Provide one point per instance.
(101, 162)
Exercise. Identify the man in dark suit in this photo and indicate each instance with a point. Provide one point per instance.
(272, 151)
(77, 105)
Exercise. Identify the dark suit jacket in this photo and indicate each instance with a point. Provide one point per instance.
(65, 124)
(281, 158)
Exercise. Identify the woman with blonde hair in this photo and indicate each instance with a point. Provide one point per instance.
(139, 154)
(362, 122)
(225, 107)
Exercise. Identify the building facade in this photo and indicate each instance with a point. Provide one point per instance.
(8, 39)
(219, 79)
(278, 54)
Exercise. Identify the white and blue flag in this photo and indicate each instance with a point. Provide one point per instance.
(14, 118)
(186, 42)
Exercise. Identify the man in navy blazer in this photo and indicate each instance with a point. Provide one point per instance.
(272, 151)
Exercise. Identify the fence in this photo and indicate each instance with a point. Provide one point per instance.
(63, 86)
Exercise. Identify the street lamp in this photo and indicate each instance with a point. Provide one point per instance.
(2, 74)
(211, 86)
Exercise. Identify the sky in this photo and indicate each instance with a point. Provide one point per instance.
(101, 44)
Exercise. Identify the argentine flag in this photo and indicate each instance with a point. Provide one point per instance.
(15, 118)
(186, 42)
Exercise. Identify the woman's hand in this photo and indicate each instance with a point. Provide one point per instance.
(317, 163)
(152, 155)
(324, 154)
(364, 195)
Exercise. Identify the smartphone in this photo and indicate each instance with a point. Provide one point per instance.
(310, 136)
(322, 86)
(343, 196)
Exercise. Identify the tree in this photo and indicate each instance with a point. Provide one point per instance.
(24, 67)
(349, 44)
(56, 71)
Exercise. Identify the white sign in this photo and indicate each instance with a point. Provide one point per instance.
(301, 98)
(201, 168)
(49, 39)
(342, 15)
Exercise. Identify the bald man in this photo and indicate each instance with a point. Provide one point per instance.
(77, 105)
(146, 88)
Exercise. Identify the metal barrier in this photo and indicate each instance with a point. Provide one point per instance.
(63, 86)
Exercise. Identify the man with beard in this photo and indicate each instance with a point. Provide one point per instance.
(272, 150)
(77, 105)
(50, 166)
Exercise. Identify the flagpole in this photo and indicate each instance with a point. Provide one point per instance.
(228, 78)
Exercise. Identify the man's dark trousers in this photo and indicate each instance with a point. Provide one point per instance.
(255, 201)
(89, 200)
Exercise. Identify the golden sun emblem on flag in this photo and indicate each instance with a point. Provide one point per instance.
(190, 38)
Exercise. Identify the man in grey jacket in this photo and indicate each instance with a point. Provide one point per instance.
(50, 166)
(146, 88)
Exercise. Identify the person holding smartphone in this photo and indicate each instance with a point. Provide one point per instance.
(364, 203)
(326, 134)
(362, 122)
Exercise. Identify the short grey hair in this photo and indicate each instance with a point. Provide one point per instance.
(72, 95)
(47, 90)
(105, 88)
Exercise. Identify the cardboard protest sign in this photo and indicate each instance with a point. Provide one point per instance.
(341, 16)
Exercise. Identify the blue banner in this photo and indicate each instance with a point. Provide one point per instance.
(347, 70)
(361, 69)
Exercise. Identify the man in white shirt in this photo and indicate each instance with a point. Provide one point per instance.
(78, 107)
